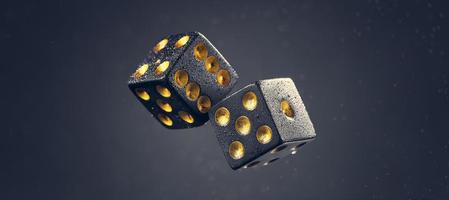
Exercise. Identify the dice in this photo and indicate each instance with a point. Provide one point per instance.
(181, 79)
(261, 123)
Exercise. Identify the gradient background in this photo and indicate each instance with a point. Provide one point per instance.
(374, 76)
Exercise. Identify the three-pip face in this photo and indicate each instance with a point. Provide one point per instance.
(181, 79)
(261, 123)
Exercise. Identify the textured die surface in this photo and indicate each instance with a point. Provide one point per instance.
(198, 73)
(174, 100)
(180, 58)
(276, 90)
(258, 117)
(288, 134)
(168, 53)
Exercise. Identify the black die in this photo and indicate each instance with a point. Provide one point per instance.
(181, 79)
(261, 123)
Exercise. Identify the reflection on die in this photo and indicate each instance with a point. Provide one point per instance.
(261, 123)
(181, 79)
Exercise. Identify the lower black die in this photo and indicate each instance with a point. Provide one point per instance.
(261, 123)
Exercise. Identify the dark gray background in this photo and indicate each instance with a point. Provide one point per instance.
(374, 76)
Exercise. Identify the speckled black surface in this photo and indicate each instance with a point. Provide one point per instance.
(275, 90)
(182, 58)
(258, 117)
(175, 101)
(197, 73)
(168, 53)
(285, 132)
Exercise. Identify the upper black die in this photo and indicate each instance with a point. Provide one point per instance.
(181, 79)
(290, 124)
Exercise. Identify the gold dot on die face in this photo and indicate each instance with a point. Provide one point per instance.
(287, 109)
(192, 91)
(141, 70)
(200, 52)
(264, 134)
(236, 150)
(186, 117)
(164, 106)
(249, 101)
(223, 77)
(181, 78)
(165, 120)
(203, 104)
(163, 91)
(160, 45)
(161, 68)
(182, 41)
(243, 125)
(222, 116)
(212, 65)
(141, 93)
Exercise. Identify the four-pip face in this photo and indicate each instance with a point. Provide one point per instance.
(261, 123)
(181, 79)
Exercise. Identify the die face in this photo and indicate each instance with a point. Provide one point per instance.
(166, 106)
(208, 74)
(162, 57)
(287, 109)
(261, 136)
